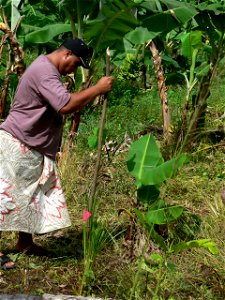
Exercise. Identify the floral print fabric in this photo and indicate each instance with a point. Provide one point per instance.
(31, 196)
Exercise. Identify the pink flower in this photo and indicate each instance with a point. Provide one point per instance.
(86, 215)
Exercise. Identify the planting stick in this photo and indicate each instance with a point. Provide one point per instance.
(100, 135)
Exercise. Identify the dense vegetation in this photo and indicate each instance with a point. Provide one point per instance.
(157, 224)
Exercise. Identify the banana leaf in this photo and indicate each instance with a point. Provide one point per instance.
(148, 194)
(116, 18)
(161, 214)
(47, 33)
(146, 164)
(190, 41)
(204, 243)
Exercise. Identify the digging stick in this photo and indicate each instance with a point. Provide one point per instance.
(100, 135)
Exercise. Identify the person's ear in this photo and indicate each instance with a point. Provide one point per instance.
(67, 53)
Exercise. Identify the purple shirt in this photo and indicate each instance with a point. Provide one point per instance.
(34, 117)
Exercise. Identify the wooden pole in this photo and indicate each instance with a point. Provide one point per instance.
(100, 135)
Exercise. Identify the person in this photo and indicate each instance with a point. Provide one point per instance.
(31, 196)
(5, 262)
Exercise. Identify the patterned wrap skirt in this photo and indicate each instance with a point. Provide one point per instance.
(31, 196)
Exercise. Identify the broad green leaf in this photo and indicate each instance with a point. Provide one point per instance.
(149, 5)
(185, 13)
(148, 194)
(215, 7)
(93, 142)
(140, 35)
(116, 19)
(203, 72)
(29, 28)
(168, 20)
(157, 175)
(163, 215)
(146, 164)
(143, 153)
(204, 243)
(128, 48)
(81, 9)
(161, 22)
(190, 41)
(47, 33)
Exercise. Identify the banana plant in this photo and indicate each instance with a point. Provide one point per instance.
(208, 40)
(176, 14)
(146, 164)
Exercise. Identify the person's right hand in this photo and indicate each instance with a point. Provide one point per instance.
(105, 84)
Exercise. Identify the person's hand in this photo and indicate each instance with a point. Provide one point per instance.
(105, 84)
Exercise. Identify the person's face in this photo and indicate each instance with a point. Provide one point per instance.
(69, 63)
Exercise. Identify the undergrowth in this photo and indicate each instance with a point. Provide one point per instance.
(192, 274)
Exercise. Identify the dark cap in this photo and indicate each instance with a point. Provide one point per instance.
(80, 49)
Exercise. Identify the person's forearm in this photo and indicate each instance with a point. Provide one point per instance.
(80, 99)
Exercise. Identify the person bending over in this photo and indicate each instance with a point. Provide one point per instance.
(32, 200)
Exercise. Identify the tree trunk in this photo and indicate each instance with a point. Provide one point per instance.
(16, 63)
(162, 90)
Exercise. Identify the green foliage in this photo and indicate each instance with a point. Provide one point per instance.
(148, 194)
(185, 228)
(123, 94)
(140, 35)
(190, 41)
(130, 69)
(175, 14)
(114, 21)
(161, 214)
(144, 162)
(147, 165)
(93, 139)
(205, 243)
(47, 33)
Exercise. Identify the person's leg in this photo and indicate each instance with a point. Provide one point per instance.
(25, 241)
(25, 244)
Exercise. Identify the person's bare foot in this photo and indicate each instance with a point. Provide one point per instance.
(5, 262)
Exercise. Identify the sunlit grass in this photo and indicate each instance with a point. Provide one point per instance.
(199, 275)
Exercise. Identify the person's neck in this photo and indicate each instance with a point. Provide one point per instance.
(53, 58)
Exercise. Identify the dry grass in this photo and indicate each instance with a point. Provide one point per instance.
(199, 274)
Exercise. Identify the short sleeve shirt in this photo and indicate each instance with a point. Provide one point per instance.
(34, 116)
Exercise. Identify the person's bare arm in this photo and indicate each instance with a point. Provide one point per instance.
(80, 99)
